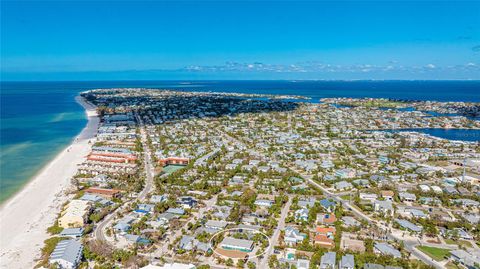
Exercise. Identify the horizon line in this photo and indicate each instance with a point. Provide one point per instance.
(208, 80)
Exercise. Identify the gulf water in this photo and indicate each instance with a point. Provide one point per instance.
(39, 119)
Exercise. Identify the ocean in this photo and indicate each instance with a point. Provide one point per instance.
(39, 119)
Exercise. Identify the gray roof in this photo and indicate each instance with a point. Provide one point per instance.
(167, 216)
(328, 259)
(72, 232)
(237, 242)
(186, 242)
(347, 261)
(408, 225)
(91, 197)
(373, 266)
(132, 237)
(301, 263)
(387, 249)
(177, 211)
(67, 250)
(216, 224)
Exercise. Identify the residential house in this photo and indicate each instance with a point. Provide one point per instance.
(343, 185)
(105, 193)
(67, 254)
(293, 236)
(387, 195)
(145, 208)
(72, 232)
(324, 236)
(368, 196)
(383, 206)
(328, 205)
(75, 214)
(328, 261)
(264, 202)
(216, 225)
(302, 214)
(407, 197)
(387, 249)
(347, 262)
(230, 243)
(327, 219)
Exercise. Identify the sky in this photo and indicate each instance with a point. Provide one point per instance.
(110, 40)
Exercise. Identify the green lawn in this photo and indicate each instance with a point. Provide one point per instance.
(458, 242)
(451, 265)
(437, 254)
(345, 197)
(450, 241)
(172, 168)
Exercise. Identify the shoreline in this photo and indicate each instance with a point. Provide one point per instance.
(25, 217)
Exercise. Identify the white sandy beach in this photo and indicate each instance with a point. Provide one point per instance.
(25, 217)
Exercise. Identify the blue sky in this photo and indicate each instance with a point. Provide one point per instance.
(69, 40)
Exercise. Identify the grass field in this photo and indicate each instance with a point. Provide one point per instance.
(172, 168)
(437, 254)
(458, 242)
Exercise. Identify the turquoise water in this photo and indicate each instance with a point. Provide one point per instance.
(39, 119)
(36, 124)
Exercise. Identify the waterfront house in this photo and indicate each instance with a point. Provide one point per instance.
(105, 193)
(67, 254)
(75, 214)
(72, 232)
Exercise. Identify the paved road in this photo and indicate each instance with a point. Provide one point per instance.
(276, 234)
(149, 169)
(409, 245)
(164, 249)
(99, 233)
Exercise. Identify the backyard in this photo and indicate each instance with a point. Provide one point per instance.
(437, 254)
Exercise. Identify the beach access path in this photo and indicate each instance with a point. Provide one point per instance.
(25, 217)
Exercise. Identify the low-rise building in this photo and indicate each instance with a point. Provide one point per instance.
(75, 214)
(328, 260)
(67, 254)
(230, 243)
(347, 262)
(387, 249)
